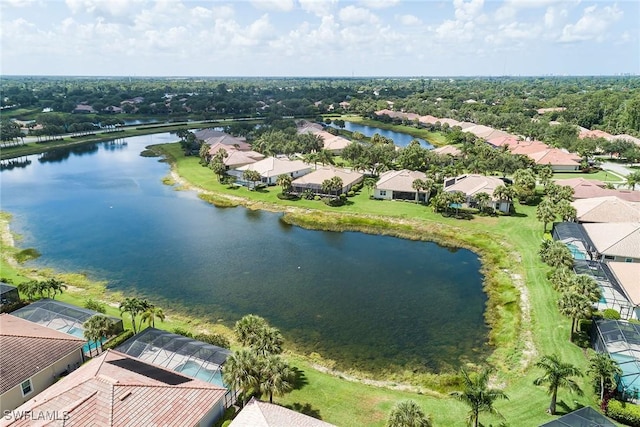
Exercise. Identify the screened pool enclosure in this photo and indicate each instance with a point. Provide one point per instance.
(62, 317)
(178, 353)
(621, 340)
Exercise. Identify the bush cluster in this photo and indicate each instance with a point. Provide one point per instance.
(628, 414)
(119, 339)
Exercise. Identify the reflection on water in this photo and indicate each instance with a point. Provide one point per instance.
(373, 302)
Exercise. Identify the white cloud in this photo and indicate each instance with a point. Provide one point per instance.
(555, 16)
(318, 7)
(357, 15)
(275, 5)
(379, 4)
(408, 20)
(110, 7)
(467, 11)
(18, 3)
(593, 24)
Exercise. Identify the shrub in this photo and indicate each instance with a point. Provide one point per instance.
(611, 314)
(351, 193)
(183, 332)
(94, 305)
(308, 194)
(317, 198)
(213, 339)
(628, 414)
(118, 339)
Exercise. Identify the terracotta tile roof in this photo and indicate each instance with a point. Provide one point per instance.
(625, 137)
(118, 390)
(587, 189)
(472, 184)
(273, 166)
(263, 414)
(606, 209)
(549, 110)
(620, 239)
(448, 149)
(594, 134)
(508, 140)
(555, 157)
(528, 147)
(428, 119)
(401, 180)
(318, 176)
(27, 348)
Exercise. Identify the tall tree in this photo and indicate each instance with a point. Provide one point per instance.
(151, 314)
(545, 212)
(407, 413)
(575, 306)
(557, 374)
(605, 371)
(277, 377)
(252, 176)
(249, 328)
(133, 306)
(478, 395)
(96, 328)
(241, 372)
(284, 181)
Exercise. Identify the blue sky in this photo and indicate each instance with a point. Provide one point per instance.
(319, 37)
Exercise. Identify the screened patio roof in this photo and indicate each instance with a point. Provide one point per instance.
(621, 340)
(582, 417)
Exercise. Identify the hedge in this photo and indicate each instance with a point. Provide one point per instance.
(119, 339)
(623, 412)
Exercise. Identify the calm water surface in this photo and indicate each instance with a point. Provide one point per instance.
(399, 139)
(368, 301)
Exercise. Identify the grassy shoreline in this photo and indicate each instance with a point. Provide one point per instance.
(508, 247)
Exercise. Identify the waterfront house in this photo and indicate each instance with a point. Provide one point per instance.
(8, 295)
(272, 167)
(32, 358)
(398, 185)
(588, 189)
(618, 241)
(262, 414)
(114, 390)
(606, 209)
(473, 184)
(448, 150)
(313, 181)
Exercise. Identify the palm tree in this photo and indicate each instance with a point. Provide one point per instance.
(418, 185)
(483, 200)
(557, 374)
(29, 289)
(478, 396)
(545, 213)
(251, 176)
(96, 328)
(502, 192)
(566, 211)
(133, 306)
(560, 278)
(407, 413)
(584, 284)
(241, 372)
(606, 372)
(545, 174)
(284, 180)
(556, 254)
(277, 377)
(325, 157)
(268, 341)
(575, 306)
(633, 179)
(151, 314)
(249, 328)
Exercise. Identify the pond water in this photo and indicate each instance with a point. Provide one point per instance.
(399, 139)
(365, 301)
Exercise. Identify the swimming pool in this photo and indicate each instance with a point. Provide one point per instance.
(575, 251)
(194, 369)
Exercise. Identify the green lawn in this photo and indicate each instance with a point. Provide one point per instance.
(604, 176)
(509, 244)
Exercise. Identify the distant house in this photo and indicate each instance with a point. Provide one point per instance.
(332, 143)
(8, 295)
(485, 132)
(558, 160)
(550, 110)
(398, 185)
(115, 390)
(606, 209)
(112, 109)
(594, 134)
(448, 150)
(235, 157)
(272, 167)
(33, 357)
(615, 241)
(473, 184)
(313, 181)
(587, 188)
(262, 414)
(83, 109)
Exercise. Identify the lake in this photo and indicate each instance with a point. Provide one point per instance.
(366, 301)
(399, 139)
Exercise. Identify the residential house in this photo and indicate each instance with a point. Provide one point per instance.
(500, 141)
(262, 414)
(114, 390)
(627, 275)
(398, 185)
(448, 150)
(313, 181)
(472, 184)
(606, 209)
(32, 358)
(485, 132)
(235, 157)
(272, 167)
(615, 241)
(550, 110)
(558, 160)
(587, 189)
(332, 143)
(594, 134)
(83, 109)
(8, 295)
(625, 137)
